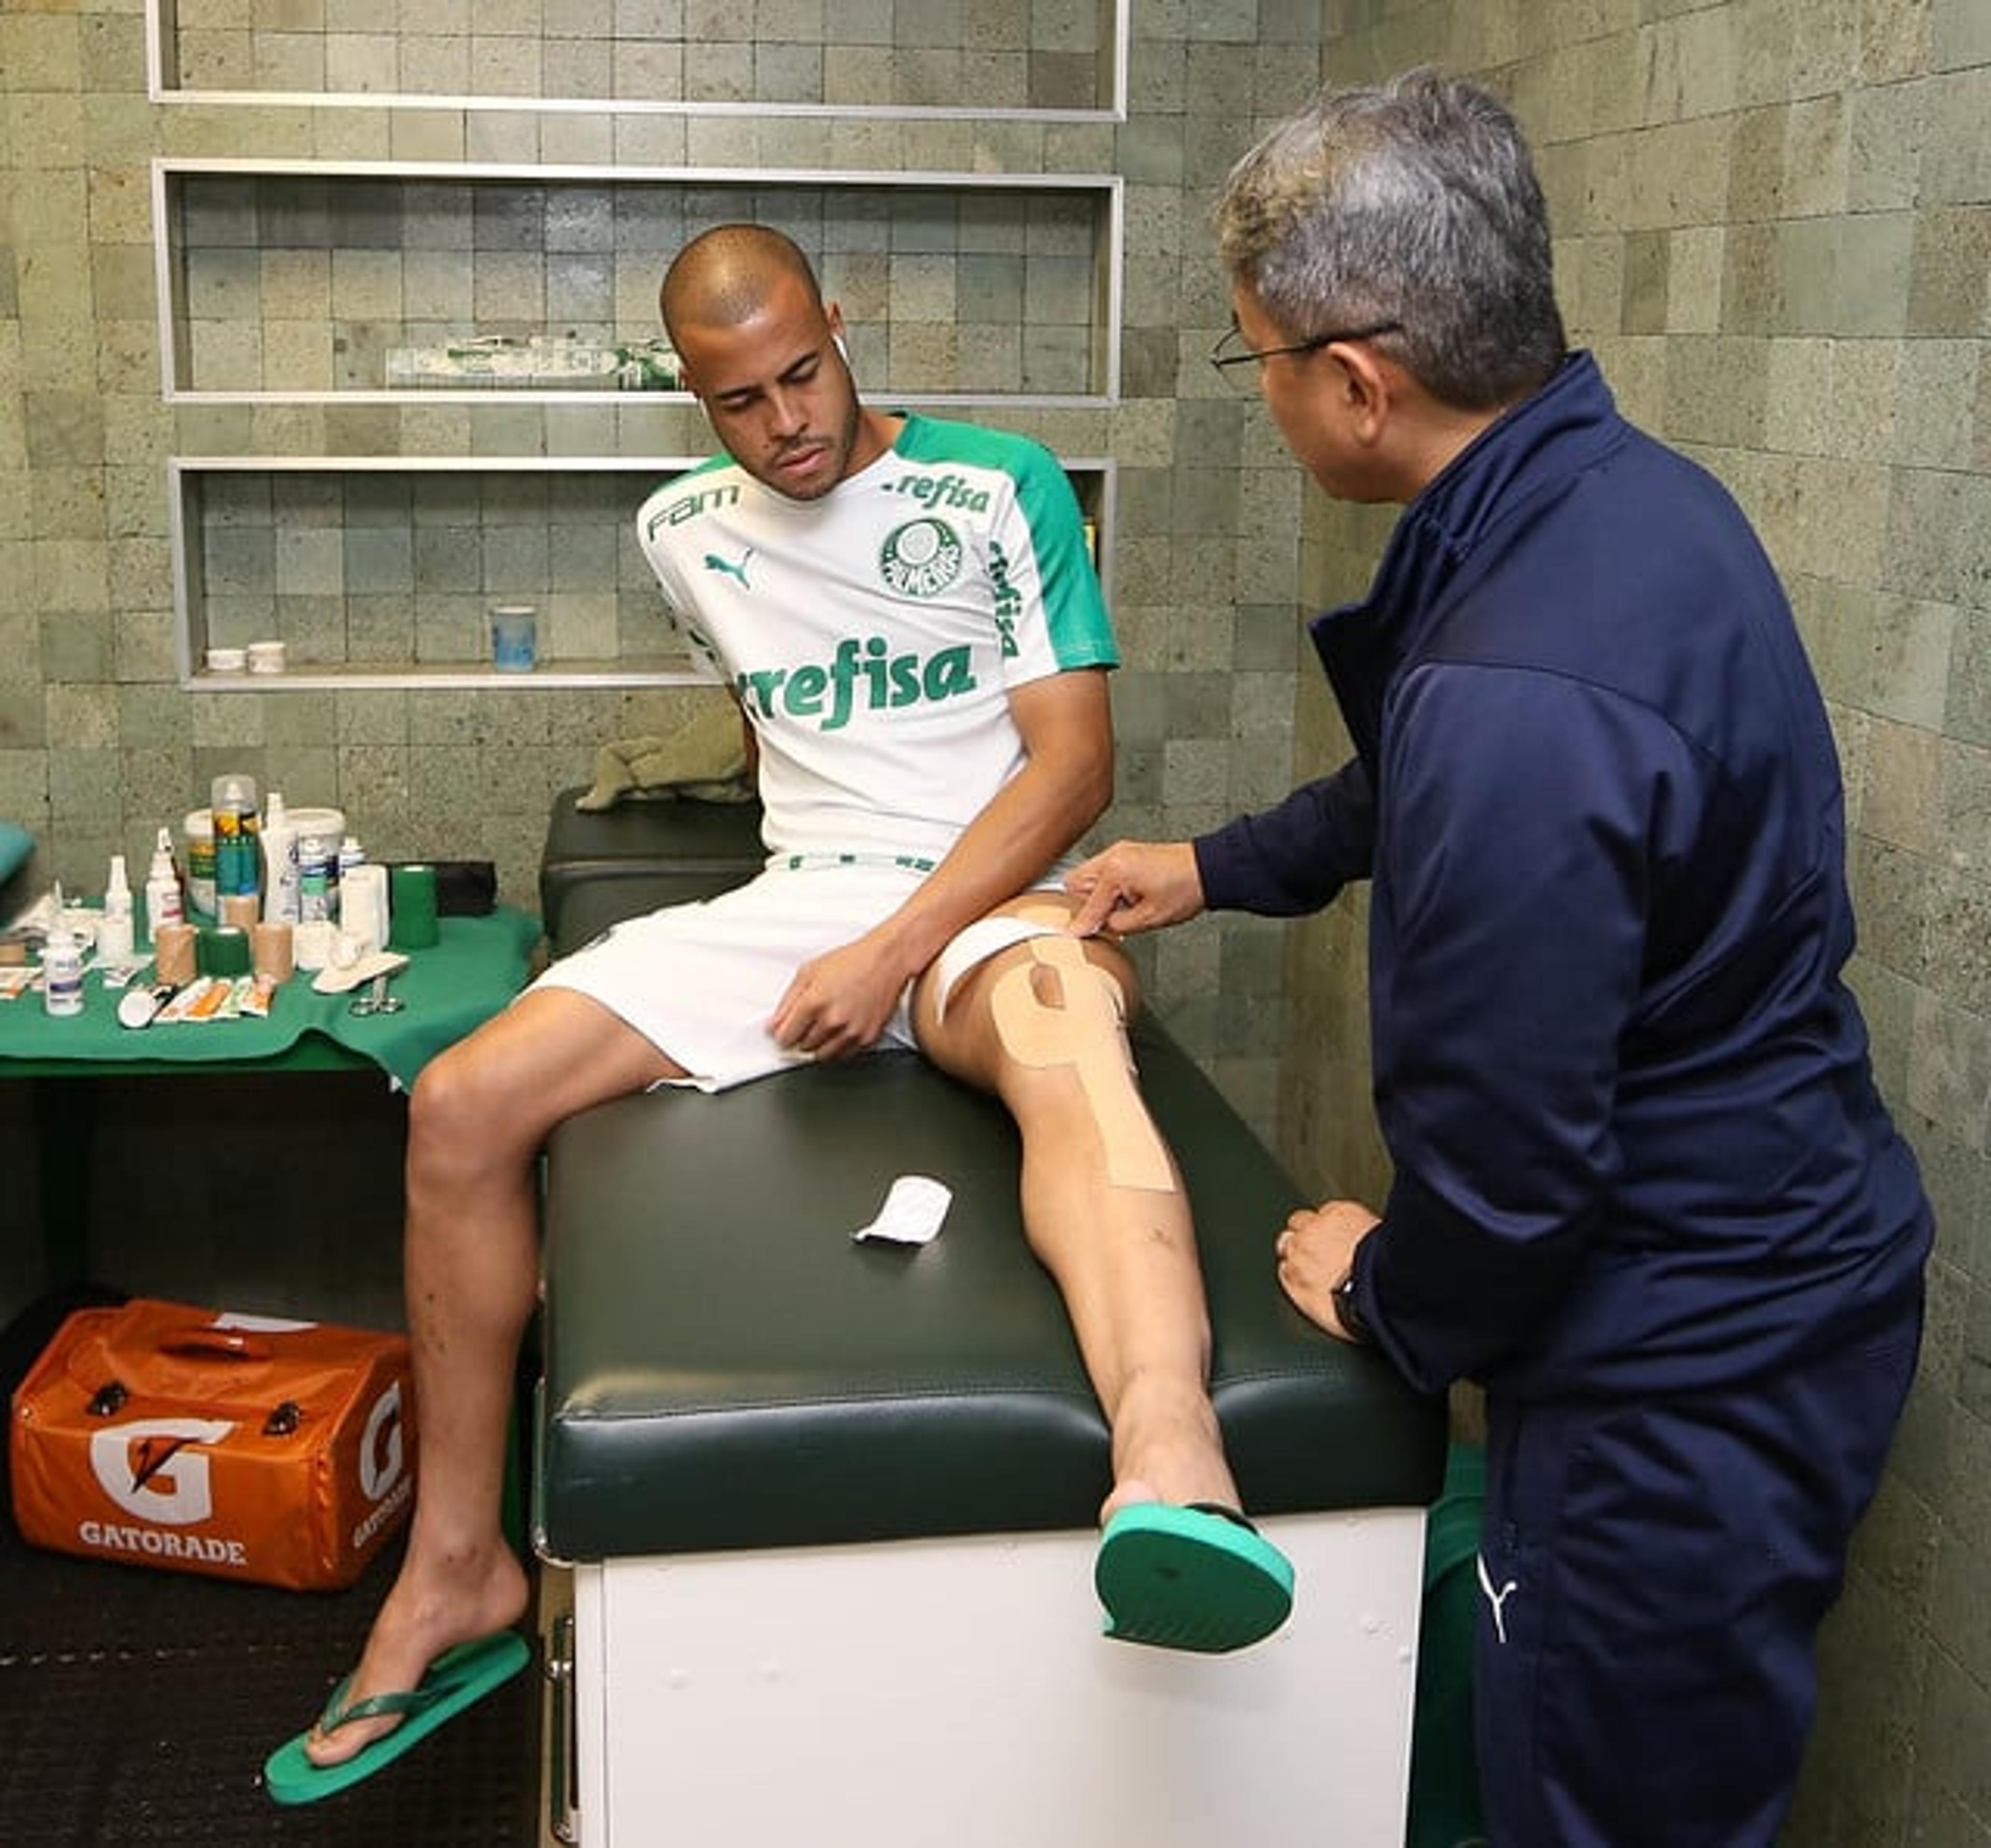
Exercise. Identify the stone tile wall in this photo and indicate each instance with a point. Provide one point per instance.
(99, 743)
(1004, 54)
(379, 570)
(290, 283)
(387, 571)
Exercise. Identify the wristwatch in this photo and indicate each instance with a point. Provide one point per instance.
(1347, 1312)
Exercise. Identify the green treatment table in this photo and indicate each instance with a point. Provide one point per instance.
(831, 1506)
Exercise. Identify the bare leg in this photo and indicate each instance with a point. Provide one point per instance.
(1124, 1256)
(478, 1116)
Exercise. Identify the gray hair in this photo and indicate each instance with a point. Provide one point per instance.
(1414, 202)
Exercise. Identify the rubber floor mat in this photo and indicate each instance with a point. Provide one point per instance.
(137, 1707)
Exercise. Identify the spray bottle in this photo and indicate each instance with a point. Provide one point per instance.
(237, 868)
(113, 929)
(163, 904)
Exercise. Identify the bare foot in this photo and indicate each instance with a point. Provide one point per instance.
(429, 1610)
(1166, 1448)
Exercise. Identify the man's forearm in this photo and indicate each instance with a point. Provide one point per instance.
(1295, 856)
(1036, 816)
(1066, 781)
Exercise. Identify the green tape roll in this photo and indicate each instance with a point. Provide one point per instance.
(411, 907)
(223, 950)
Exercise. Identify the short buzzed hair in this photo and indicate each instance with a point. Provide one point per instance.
(724, 276)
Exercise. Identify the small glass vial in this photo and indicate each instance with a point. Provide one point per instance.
(62, 973)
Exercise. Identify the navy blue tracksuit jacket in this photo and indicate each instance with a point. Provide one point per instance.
(1636, 1143)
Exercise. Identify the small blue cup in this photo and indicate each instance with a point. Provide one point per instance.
(515, 638)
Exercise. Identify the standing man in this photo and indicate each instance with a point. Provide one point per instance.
(1644, 1188)
(906, 613)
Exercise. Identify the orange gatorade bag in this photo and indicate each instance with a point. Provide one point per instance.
(240, 1446)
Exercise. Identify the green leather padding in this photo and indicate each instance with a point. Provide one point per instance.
(725, 1368)
(603, 865)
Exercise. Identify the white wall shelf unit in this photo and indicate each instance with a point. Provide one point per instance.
(380, 571)
(1028, 60)
(295, 281)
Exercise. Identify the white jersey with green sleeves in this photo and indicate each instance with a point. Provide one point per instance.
(873, 636)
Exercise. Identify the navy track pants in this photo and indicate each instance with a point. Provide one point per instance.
(1653, 1574)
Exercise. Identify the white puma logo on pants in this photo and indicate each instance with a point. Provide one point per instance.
(1496, 1599)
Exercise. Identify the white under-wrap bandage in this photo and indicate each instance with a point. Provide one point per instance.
(985, 937)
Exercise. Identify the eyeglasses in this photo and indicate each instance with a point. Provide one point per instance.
(1230, 352)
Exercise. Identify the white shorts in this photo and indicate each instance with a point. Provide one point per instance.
(700, 981)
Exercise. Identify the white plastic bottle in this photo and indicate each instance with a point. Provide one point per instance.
(281, 886)
(114, 929)
(350, 854)
(164, 902)
(62, 973)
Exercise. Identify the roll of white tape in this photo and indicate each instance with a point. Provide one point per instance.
(310, 944)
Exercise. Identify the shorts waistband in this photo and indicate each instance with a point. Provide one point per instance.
(811, 862)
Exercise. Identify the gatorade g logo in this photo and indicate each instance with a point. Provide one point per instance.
(146, 1469)
(380, 1445)
(921, 558)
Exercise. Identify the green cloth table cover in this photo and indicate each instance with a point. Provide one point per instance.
(447, 992)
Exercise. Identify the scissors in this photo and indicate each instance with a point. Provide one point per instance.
(376, 1000)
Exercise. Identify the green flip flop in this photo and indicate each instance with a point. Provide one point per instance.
(1200, 1577)
(458, 1678)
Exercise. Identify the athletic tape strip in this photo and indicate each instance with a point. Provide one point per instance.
(1085, 1028)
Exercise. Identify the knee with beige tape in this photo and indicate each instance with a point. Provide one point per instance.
(1060, 1009)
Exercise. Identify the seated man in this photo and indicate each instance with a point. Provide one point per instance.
(907, 615)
